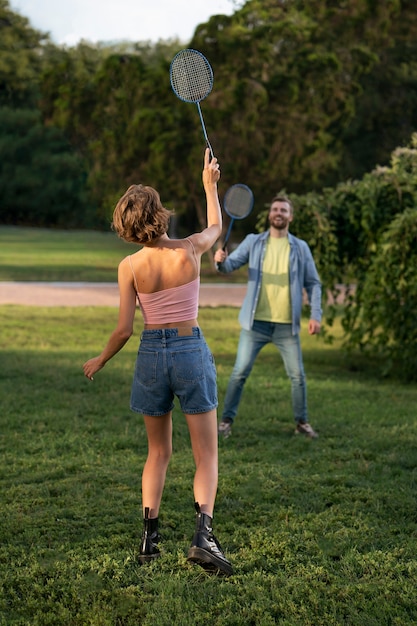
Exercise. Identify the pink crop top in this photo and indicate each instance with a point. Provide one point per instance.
(176, 304)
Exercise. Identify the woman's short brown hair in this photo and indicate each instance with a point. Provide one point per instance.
(139, 216)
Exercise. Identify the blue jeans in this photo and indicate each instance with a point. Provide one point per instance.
(250, 344)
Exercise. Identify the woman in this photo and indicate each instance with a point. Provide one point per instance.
(173, 357)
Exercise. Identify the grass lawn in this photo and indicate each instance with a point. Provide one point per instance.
(319, 532)
(40, 254)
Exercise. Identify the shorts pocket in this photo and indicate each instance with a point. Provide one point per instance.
(146, 367)
(188, 365)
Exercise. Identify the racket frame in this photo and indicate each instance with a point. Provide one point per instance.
(236, 217)
(193, 100)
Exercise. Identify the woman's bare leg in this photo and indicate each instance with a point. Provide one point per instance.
(204, 442)
(159, 432)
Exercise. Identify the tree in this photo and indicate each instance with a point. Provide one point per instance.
(41, 181)
(297, 102)
(20, 59)
(291, 82)
(118, 112)
(386, 109)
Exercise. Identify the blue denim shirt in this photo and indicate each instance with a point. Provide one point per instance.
(302, 269)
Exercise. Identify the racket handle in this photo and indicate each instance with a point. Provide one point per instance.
(204, 130)
(229, 230)
(210, 148)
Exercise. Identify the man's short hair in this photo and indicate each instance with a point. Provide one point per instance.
(282, 198)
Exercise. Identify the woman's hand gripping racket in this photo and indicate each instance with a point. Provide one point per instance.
(192, 80)
(238, 203)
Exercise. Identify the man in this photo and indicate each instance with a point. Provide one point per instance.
(279, 266)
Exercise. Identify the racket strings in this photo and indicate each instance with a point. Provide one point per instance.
(238, 202)
(191, 76)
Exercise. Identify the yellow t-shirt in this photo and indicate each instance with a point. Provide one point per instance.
(274, 304)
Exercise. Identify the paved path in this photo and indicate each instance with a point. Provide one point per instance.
(103, 294)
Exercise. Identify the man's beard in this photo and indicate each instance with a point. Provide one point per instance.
(279, 224)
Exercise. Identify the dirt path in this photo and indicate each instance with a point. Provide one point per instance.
(103, 294)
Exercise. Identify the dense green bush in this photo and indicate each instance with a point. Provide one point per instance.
(376, 233)
(385, 323)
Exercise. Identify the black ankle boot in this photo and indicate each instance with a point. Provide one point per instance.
(205, 549)
(150, 538)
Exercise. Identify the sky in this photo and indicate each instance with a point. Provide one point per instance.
(69, 21)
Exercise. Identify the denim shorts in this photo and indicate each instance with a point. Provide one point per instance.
(169, 365)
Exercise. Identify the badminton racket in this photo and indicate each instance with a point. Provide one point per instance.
(238, 203)
(192, 80)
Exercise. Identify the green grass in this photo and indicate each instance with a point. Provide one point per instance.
(37, 254)
(319, 532)
(40, 254)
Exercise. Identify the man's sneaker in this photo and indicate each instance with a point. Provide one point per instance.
(225, 429)
(304, 428)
